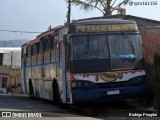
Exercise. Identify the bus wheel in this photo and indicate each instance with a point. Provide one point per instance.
(31, 90)
(56, 96)
(56, 93)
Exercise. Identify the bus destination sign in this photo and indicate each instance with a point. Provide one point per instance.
(103, 28)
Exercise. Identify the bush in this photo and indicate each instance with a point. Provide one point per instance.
(157, 79)
(153, 83)
(10, 88)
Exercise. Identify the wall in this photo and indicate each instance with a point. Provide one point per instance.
(150, 43)
(11, 56)
(4, 74)
(13, 75)
(4, 70)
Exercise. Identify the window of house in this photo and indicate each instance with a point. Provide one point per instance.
(4, 82)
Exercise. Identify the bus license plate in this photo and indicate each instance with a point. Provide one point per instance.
(113, 92)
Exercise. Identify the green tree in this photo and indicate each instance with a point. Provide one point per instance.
(106, 7)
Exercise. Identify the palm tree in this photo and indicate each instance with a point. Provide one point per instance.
(106, 7)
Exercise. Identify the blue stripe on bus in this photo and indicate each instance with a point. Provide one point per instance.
(124, 56)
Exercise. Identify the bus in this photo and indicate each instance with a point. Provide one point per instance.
(94, 59)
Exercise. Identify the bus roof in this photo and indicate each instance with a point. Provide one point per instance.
(46, 33)
(103, 21)
(51, 31)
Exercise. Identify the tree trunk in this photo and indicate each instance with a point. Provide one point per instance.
(108, 8)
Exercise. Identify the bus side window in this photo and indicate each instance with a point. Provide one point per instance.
(29, 56)
(52, 43)
(56, 49)
(29, 51)
(47, 47)
(47, 44)
(60, 54)
(52, 49)
(41, 51)
(56, 53)
(41, 46)
(38, 56)
(37, 47)
(33, 52)
(32, 49)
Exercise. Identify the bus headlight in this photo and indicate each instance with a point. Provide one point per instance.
(137, 80)
(73, 84)
(81, 84)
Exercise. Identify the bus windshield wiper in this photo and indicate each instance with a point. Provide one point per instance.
(133, 50)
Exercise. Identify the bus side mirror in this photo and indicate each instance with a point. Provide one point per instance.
(65, 40)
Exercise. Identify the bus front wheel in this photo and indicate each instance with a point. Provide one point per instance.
(56, 96)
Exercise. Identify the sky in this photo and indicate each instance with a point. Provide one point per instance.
(38, 15)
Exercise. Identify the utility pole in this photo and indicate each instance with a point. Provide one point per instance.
(69, 12)
(11, 58)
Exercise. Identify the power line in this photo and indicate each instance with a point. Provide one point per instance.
(18, 31)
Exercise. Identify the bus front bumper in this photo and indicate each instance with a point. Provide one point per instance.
(108, 94)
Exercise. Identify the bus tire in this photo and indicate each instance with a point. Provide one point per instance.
(56, 93)
(56, 96)
(31, 90)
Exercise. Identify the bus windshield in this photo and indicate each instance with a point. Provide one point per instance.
(125, 51)
(125, 46)
(120, 51)
(96, 47)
